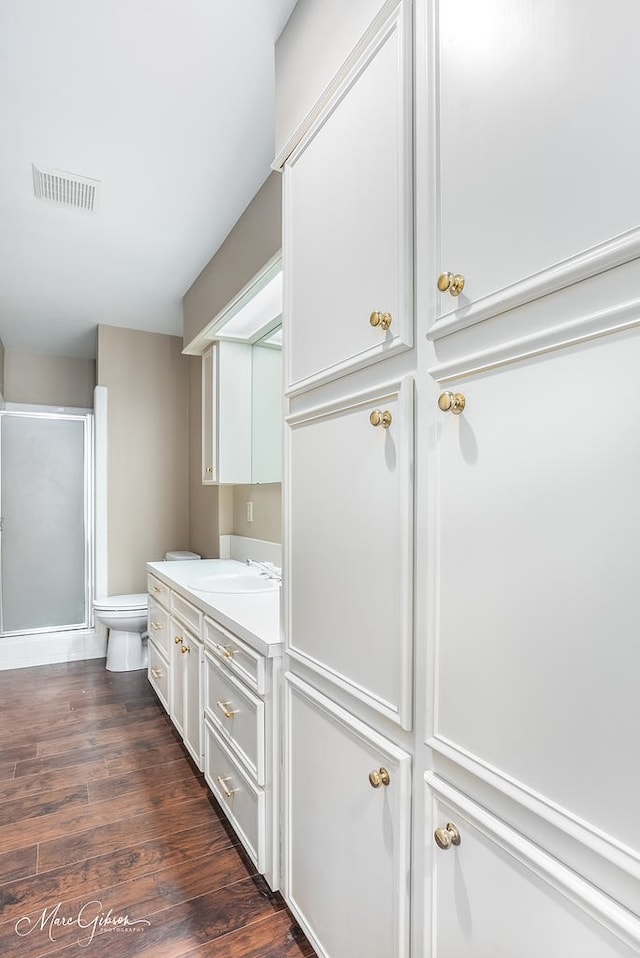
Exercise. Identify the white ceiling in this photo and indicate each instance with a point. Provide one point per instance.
(169, 104)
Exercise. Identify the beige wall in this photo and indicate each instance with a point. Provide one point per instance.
(48, 380)
(1, 369)
(148, 451)
(203, 500)
(267, 511)
(254, 240)
(317, 39)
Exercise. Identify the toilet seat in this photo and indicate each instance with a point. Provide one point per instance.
(122, 603)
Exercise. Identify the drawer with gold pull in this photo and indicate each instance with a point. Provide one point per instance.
(159, 629)
(158, 674)
(237, 714)
(230, 651)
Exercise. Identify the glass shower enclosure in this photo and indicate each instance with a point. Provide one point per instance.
(46, 524)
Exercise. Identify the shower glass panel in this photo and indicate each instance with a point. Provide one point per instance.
(44, 502)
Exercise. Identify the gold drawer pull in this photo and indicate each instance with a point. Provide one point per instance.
(157, 673)
(222, 782)
(224, 708)
(379, 777)
(156, 588)
(185, 649)
(178, 639)
(383, 419)
(383, 320)
(452, 402)
(226, 650)
(447, 836)
(156, 625)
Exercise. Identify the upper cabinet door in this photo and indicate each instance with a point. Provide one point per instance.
(348, 220)
(537, 147)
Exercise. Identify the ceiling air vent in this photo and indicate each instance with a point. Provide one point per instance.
(65, 189)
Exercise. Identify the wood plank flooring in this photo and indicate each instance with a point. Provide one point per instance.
(110, 842)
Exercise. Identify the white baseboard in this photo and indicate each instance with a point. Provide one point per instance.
(49, 648)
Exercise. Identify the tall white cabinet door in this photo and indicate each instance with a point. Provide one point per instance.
(349, 542)
(348, 219)
(536, 151)
(346, 842)
(193, 707)
(497, 895)
(537, 655)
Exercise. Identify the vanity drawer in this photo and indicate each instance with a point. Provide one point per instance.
(158, 673)
(186, 612)
(243, 803)
(235, 655)
(158, 590)
(237, 714)
(159, 625)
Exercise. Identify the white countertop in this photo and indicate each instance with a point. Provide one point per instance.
(254, 617)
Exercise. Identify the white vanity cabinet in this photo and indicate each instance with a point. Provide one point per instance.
(242, 742)
(186, 675)
(222, 694)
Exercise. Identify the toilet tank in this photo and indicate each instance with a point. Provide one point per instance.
(177, 556)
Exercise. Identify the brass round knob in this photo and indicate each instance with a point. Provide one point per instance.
(452, 402)
(209, 469)
(378, 418)
(451, 283)
(178, 639)
(383, 320)
(185, 649)
(447, 836)
(378, 777)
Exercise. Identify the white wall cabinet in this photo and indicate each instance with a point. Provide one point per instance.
(226, 413)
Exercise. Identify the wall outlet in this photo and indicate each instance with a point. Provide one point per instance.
(250, 512)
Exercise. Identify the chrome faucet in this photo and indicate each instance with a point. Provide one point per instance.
(266, 569)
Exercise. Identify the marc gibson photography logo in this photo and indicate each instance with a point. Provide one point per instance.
(90, 918)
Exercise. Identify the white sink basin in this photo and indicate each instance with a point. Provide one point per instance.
(242, 582)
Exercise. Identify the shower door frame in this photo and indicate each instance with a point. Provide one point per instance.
(86, 416)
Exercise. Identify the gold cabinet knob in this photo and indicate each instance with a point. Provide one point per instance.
(451, 283)
(452, 402)
(378, 418)
(447, 836)
(178, 639)
(185, 649)
(209, 470)
(383, 320)
(378, 777)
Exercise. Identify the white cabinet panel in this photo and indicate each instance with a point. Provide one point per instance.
(536, 151)
(537, 657)
(349, 588)
(348, 219)
(158, 673)
(497, 895)
(347, 844)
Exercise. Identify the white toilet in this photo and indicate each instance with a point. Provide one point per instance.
(126, 617)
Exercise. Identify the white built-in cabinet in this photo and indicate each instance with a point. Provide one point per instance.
(349, 508)
(461, 524)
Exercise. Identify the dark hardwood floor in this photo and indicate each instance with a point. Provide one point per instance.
(110, 843)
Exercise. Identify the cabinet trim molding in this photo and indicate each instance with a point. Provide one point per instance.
(593, 902)
(614, 252)
(341, 78)
(592, 326)
(603, 845)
